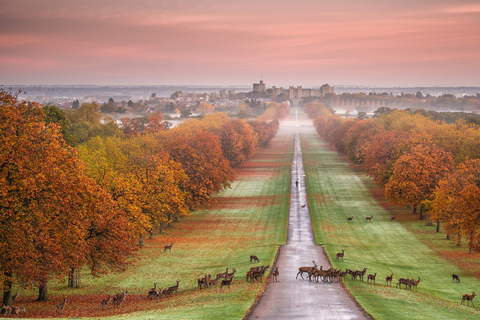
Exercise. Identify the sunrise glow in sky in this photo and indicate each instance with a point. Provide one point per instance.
(234, 42)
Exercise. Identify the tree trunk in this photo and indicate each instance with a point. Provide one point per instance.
(7, 291)
(414, 208)
(42, 291)
(470, 243)
(162, 227)
(150, 232)
(459, 242)
(438, 226)
(421, 214)
(74, 278)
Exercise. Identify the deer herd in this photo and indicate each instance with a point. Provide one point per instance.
(255, 274)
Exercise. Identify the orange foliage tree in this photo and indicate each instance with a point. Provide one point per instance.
(200, 154)
(457, 202)
(53, 217)
(416, 175)
(239, 142)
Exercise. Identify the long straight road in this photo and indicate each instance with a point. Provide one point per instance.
(301, 299)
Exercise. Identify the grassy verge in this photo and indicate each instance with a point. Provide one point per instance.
(250, 218)
(335, 192)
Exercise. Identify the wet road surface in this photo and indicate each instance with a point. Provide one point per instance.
(301, 299)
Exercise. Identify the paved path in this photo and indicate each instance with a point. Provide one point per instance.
(301, 299)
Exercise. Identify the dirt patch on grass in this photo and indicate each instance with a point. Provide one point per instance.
(247, 202)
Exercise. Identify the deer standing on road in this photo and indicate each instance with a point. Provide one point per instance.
(275, 274)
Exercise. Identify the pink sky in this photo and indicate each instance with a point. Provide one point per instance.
(234, 42)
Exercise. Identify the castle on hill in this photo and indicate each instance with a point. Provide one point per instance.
(292, 92)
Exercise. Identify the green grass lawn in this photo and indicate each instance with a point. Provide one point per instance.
(337, 191)
(248, 219)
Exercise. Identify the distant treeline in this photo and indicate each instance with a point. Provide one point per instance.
(362, 102)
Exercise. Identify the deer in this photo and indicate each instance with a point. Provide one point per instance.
(275, 274)
(119, 298)
(15, 297)
(222, 275)
(340, 255)
(16, 310)
(303, 206)
(369, 219)
(359, 274)
(173, 288)
(230, 275)
(7, 310)
(226, 282)
(213, 282)
(61, 306)
(106, 302)
(350, 219)
(202, 282)
(414, 283)
(401, 281)
(371, 277)
(468, 297)
(392, 218)
(254, 258)
(455, 278)
(303, 270)
(389, 279)
(168, 248)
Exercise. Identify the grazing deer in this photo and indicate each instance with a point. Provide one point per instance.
(389, 279)
(226, 282)
(455, 278)
(16, 310)
(168, 248)
(106, 302)
(275, 274)
(306, 270)
(61, 306)
(369, 218)
(392, 218)
(468, 297)
(401, 281)
(371, 277)
(340, 255)
(254, 258)
(350, 219)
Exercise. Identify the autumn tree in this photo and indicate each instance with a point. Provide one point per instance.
(239, 142)
(52, 216)
(201, 157)
(457, 202)
(417, 173)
